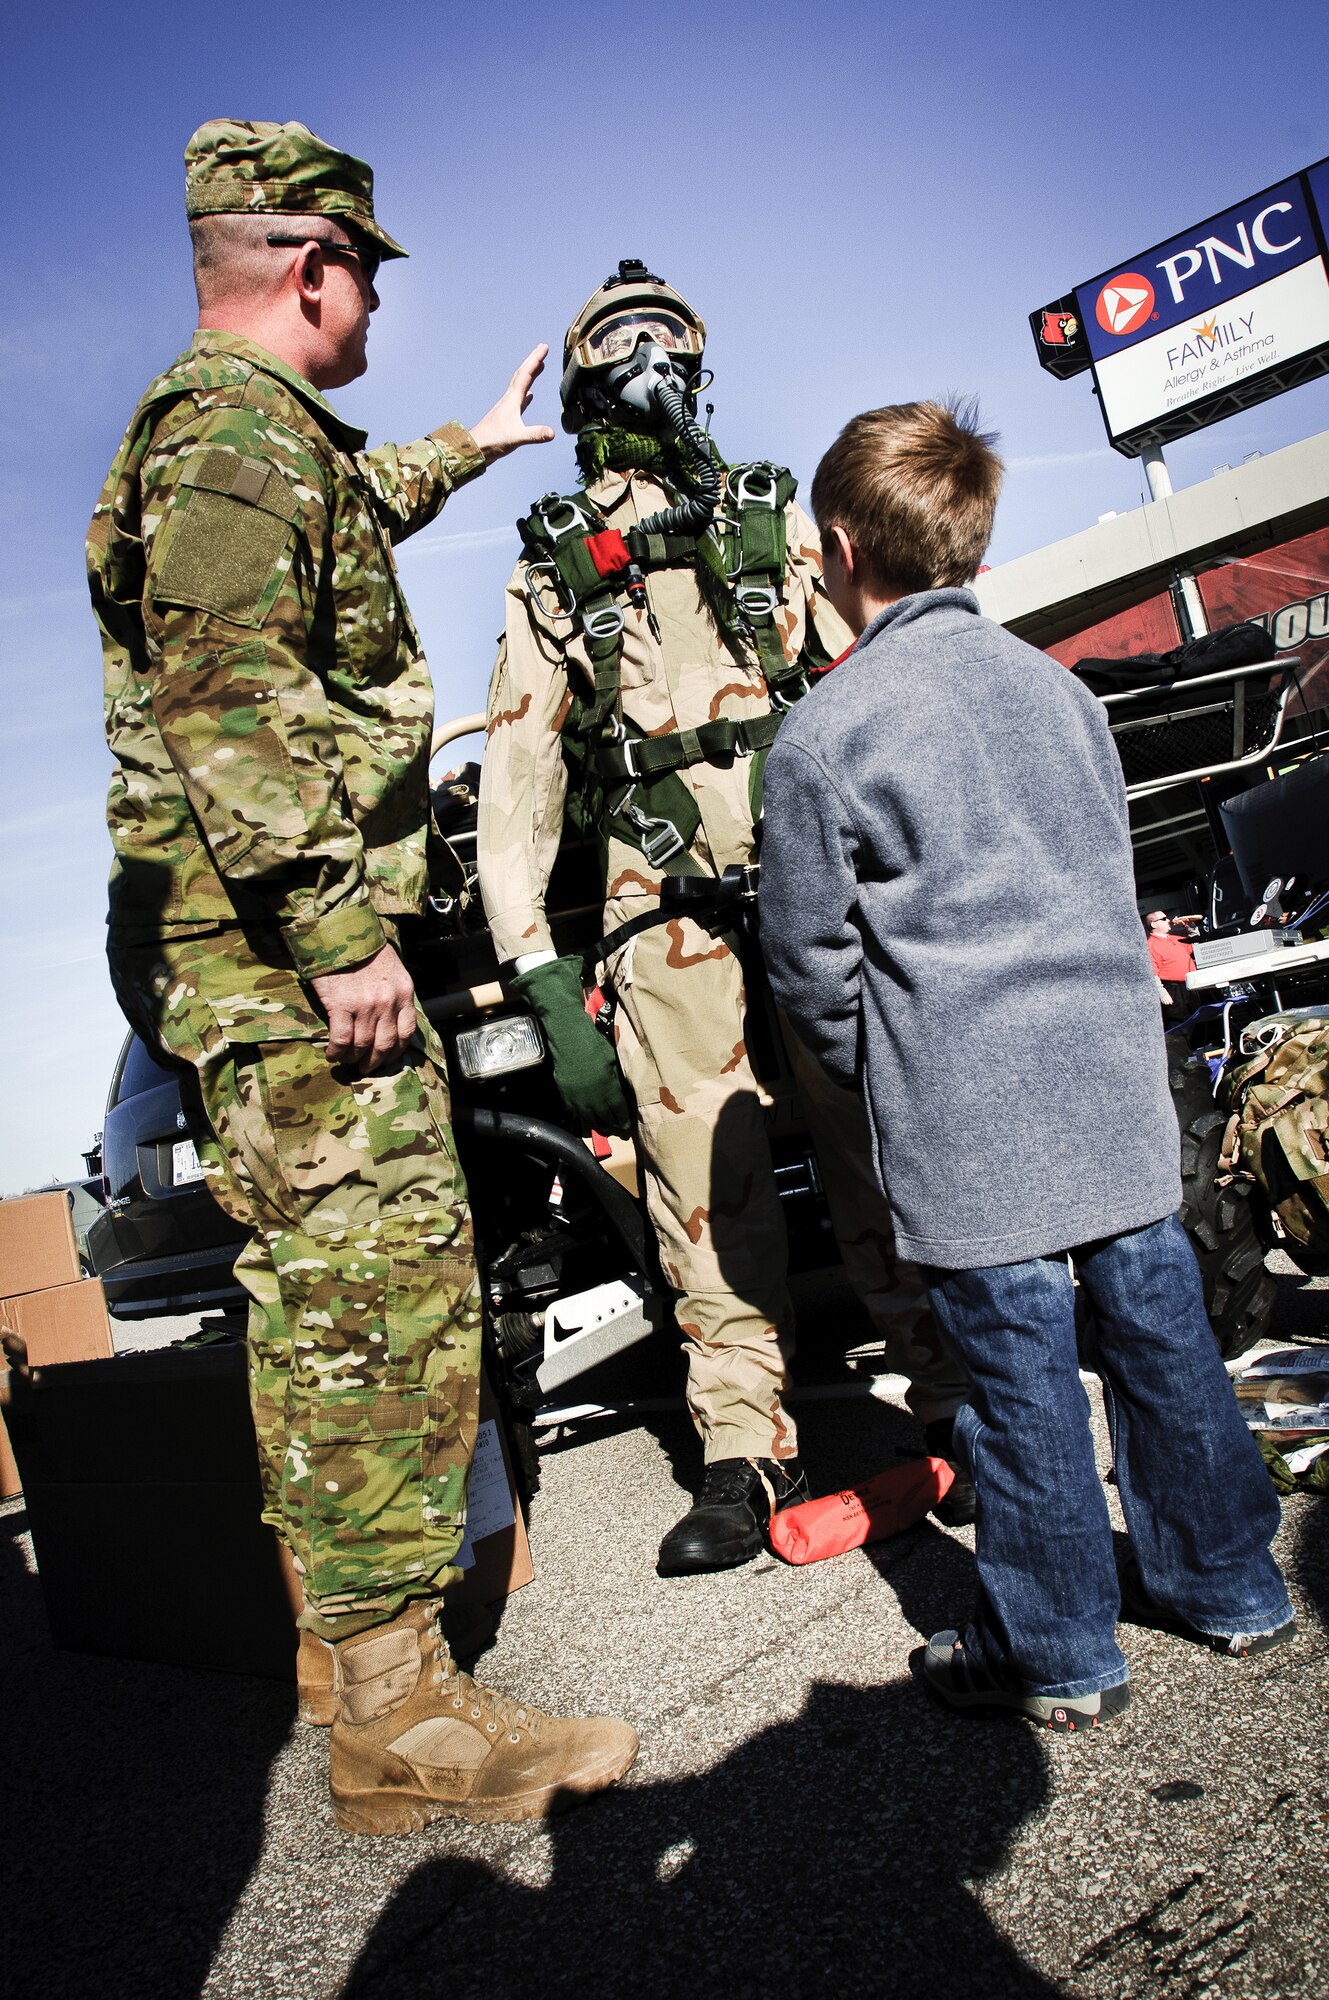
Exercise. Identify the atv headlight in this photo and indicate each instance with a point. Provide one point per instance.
(498, 1047)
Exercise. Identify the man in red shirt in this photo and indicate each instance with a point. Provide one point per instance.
(1170, 956)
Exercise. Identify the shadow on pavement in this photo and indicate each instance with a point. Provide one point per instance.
(134, 1807)
(828, 1855)
(932, 1575)
(1300, 1315)
(1307, 1516)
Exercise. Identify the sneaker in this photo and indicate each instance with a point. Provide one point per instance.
(945, 1669)
(1139, 1608)
(959, 1506)
(727, 1522)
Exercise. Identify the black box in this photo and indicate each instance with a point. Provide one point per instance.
(140, 1477)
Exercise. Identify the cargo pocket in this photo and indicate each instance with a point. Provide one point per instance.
(414, 1161)
(363, 1513)
(449, 1446)
(426, 1313)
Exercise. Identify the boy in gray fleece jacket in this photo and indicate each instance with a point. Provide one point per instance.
(948, 914)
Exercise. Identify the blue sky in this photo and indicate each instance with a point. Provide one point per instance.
(863, 201)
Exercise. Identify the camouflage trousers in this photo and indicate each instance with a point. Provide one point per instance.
(711, 1194)
(364, 1321)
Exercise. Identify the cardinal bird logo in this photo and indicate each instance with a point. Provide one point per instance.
(1059, 329)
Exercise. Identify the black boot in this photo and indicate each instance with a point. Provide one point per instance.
(726, 1524)
(959, 1509)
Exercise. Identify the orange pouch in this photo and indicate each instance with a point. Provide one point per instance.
(883, 1506)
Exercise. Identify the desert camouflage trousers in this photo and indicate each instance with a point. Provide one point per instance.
(711, 1193)
(364, 1321)
(894, 1292)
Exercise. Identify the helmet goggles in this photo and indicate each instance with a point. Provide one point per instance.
(615, 339)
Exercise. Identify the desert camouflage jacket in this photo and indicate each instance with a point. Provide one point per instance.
(267, 702)
(689, 676)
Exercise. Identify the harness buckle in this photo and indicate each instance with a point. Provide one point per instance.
(798, 686)
(660, 838)
(606, 623)
(755, 486)
(556, 612)
(755, 600)
(663, 844)
(577, 522)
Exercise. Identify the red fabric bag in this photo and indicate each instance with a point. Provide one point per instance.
(882, 1506)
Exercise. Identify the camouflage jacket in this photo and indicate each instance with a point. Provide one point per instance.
(1278, 1132)
(689, 676)
(267, 702)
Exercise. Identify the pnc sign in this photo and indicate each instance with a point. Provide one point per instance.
(1124, 303)
(1208, 323)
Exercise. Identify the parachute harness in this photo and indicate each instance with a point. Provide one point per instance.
(621, 782)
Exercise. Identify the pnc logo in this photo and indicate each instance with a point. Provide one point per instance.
(1125, 303)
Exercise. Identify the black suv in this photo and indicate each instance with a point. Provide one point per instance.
(161, 1244)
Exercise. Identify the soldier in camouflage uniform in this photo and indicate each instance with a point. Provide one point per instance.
(269, 710)
(650, 645)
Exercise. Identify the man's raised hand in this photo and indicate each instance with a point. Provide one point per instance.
(501, 429)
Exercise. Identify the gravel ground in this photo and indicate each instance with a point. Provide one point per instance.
(802, 1821)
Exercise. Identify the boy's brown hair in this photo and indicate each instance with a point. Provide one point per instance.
(914, 487)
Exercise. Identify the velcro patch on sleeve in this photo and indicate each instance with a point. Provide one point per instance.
(229, 531)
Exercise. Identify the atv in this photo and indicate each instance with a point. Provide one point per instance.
(1211, 715)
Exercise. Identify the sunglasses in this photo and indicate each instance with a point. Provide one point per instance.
(368, 260)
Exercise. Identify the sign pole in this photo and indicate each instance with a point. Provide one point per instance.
(1156, 472)
(1186, 597)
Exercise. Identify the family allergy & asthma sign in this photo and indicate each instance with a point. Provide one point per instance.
(1232, 312)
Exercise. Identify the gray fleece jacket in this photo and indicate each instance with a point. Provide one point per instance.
(948, 915)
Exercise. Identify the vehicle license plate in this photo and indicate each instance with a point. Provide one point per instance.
(185, 1163)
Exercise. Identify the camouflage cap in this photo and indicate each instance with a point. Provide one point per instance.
(235, 166)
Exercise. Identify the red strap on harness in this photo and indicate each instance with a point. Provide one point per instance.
(815, 673)
(883, 1506)
(608, 551)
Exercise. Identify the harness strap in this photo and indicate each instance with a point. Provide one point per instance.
(659, 551)
(703, 898)
(716, 742)
(630, 788)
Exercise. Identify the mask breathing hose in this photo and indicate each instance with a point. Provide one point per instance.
(694, 514)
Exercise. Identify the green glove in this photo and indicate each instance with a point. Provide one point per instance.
(585, 1066)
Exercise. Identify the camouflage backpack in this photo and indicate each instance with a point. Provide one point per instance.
(1278, 1132)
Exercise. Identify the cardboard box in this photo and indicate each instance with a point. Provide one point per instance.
(66, 1323)
(37, 1247)
(141, 1481)
(10, 1483)
(496, 1553)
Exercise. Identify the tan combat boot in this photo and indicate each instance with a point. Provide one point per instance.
(315, 1681)
(468, 1629)
(416, 1739)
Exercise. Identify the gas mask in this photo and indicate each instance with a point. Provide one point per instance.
(636, 387)
(632, 359)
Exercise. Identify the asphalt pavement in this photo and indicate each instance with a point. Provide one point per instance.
(802, 1820)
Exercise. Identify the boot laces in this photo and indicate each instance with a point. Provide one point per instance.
(483, 1705)
(727, 1480)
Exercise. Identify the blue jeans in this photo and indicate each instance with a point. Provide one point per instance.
(1198, 1502)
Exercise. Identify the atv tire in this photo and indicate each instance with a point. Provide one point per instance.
(1220, 1221)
